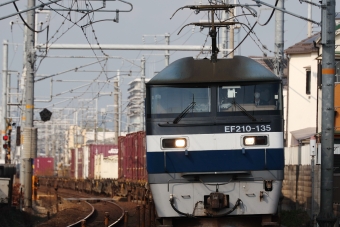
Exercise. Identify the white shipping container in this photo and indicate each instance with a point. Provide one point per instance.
(106, 167)
(86, 160)
(4, 192)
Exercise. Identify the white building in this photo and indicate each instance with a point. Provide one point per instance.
(305, 88)
(302, 91)
(136, 106)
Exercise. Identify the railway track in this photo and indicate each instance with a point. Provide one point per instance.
(72, 209)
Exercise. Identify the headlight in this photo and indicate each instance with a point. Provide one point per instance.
(248, 141)
(180, 142)
(255, 140)
(174, 143)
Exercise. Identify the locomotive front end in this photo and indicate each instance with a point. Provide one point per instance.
(214, 134)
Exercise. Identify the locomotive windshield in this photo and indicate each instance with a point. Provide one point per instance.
(250, 97)
(168, 100)
(218, 100)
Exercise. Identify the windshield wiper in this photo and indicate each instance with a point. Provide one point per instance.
(244, 111)
(184, 112)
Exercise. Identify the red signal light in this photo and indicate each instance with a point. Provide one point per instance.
(5, 146)
(5, 137)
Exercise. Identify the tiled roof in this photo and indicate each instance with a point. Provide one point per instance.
(305, 46)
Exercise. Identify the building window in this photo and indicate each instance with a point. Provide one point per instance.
(308, 82)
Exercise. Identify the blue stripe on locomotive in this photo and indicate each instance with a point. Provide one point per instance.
(216, 161)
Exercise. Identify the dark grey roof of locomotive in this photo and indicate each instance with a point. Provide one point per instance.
(188, 70)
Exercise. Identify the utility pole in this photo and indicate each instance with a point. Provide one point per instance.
(29, 132)
(309, 24)
(224, 30)
(279, 28)
(4, 96)
(167, 52)
(326, 216)
(231, 34)
(116, 107)
(142, 92)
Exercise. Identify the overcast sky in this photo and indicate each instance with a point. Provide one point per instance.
(145, 24)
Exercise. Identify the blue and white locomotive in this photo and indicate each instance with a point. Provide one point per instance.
(214, 134)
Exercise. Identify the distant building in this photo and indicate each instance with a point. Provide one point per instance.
(135, 110)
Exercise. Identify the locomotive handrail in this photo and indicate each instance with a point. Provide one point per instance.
(179, 181)
(215, 173)
(210, 124)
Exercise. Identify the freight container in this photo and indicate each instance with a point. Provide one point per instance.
(4, 190)
(105, 149)
(141, 150)
(121, 155)
(131, 156)
(43, 166)
(73, 164)
(79, 163)
(106, 167)
(86, 162)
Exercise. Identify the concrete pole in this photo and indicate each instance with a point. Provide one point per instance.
(309, 24)
(8, 95)
(4, 96)
(142, 92)
(224, 34)
(53, 142)
(231, 34)
(29, 105)
(116, 107)
(96, 123)
(47, 151)
(279, 28)
(104, 126)
(120, 111)
(167, 52)
(326, 216)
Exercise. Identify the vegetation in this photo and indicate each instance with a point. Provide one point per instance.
(295, 218)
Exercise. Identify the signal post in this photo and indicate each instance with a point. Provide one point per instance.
(7, 141)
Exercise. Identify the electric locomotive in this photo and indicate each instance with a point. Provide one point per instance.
(214, 135)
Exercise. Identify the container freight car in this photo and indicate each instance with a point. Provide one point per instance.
(131, 157)
(82, 164)
(43, 166)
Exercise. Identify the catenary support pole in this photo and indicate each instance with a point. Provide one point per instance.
(142, 92)
(29, 106)
(224, 32)
(326, 216)
(116, 107)
(279, 28)
(4, 96)
(167, 52)
(309, 24)
(231, 34)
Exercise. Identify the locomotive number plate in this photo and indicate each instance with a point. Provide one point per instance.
(247, 128)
